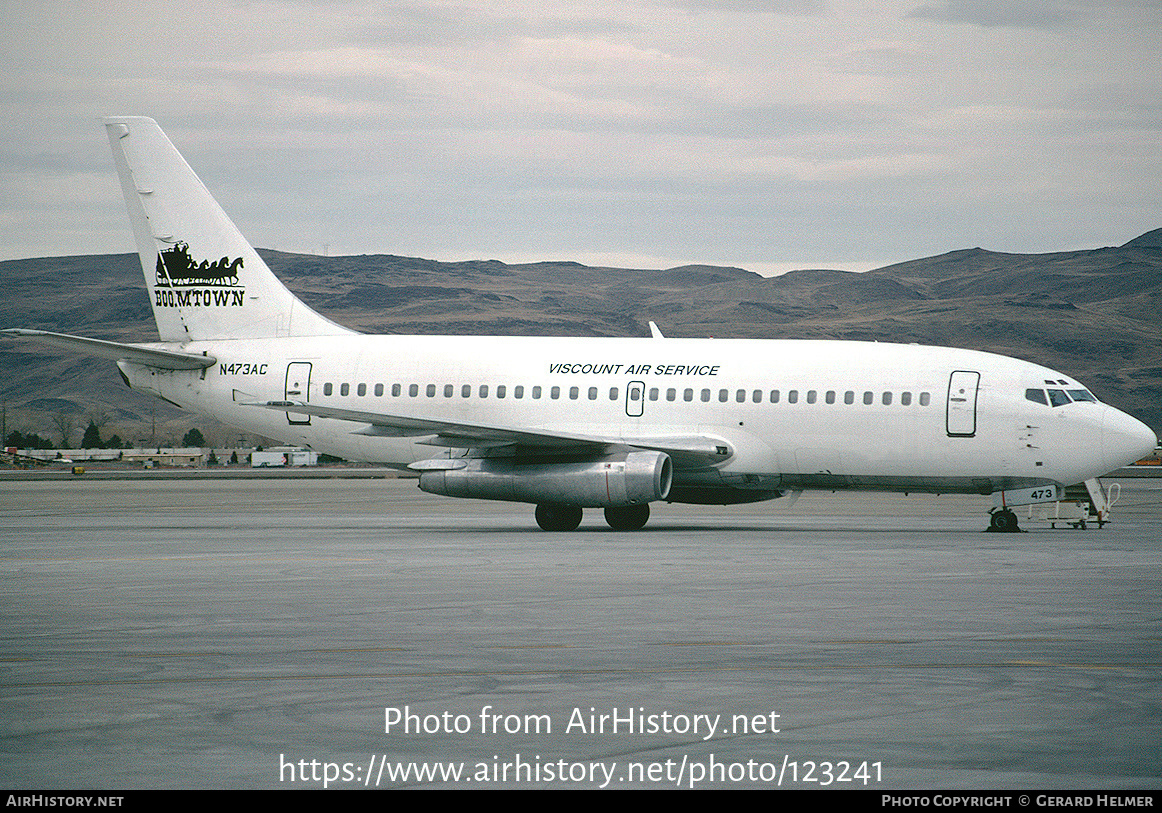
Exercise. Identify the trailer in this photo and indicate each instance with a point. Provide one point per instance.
(284, 456)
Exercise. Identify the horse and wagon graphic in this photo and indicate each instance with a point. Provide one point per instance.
(175, 267)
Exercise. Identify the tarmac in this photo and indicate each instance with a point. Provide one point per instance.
(340, 633)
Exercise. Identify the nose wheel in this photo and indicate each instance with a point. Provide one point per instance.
(1003, 521)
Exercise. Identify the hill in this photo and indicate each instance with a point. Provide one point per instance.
(1092, 313)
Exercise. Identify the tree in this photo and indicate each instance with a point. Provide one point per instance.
(92, 438)
(193, 438)
(64, 424)
(32, 441)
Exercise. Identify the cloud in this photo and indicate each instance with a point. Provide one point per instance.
(996, 13)
(797, 132)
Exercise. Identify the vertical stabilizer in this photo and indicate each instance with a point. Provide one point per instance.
(204, 279)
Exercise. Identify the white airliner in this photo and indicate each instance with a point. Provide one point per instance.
(573, 423)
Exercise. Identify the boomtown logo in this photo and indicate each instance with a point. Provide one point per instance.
(183, 282)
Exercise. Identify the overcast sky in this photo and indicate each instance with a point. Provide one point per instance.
(768, 135)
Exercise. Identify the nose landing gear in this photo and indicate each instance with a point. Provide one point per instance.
(1003, 520)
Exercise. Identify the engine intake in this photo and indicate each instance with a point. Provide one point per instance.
(636, 478)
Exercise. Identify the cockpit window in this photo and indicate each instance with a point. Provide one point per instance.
(1058, 397)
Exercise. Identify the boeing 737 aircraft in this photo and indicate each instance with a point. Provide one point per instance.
(574, 423)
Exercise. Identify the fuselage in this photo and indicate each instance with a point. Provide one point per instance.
(794, 413)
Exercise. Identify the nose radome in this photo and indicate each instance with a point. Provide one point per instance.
(1125, 439)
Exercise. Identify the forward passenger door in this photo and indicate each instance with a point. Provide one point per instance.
(960, 415)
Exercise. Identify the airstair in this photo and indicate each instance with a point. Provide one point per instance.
(1083, 503)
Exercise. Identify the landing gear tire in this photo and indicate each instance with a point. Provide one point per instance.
(558, 517)
(628, 518)
(1004, 522)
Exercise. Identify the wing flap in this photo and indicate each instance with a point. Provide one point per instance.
(458, 434)
(688, 451)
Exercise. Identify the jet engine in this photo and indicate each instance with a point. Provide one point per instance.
(633, 479)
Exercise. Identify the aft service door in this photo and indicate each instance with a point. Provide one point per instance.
(961, 413)
(298, 384)
(635, 399)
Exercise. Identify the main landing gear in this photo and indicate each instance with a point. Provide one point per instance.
(558, 517)
(628, 518)
(1003, 521)
(568, 517)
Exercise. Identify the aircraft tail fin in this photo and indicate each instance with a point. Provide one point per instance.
(205, 281)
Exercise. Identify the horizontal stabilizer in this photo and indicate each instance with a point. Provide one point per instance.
(135, 353)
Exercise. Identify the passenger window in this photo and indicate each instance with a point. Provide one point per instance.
(414, 390)
(740, 396)
(793, 397)
(671, 394)
(555, 393)
(810, 396)
(573, 393)
(483, 390)
(536, 392)
(449, 390)
(518, 391)
(593, 393)
(688, 394)
(869, 397)
(830, 397)
(774, 396)
(757, 396)
(1058, 398)
(395, 390)
(466, 391)
(849, 397)
(653, 393)
(705, 396)
(327, 389)
(344, 389)
(361, 389)
(1037, 397)
(723, 396)
(431, 390)
(887, 399)
(613, 393)
(925, 398)
(905, 398)
(500, 390)
(378, 390)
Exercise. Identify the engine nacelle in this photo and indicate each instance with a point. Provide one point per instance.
(636, 478)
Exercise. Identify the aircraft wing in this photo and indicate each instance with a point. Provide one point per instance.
(687, 451)
(117, 351)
